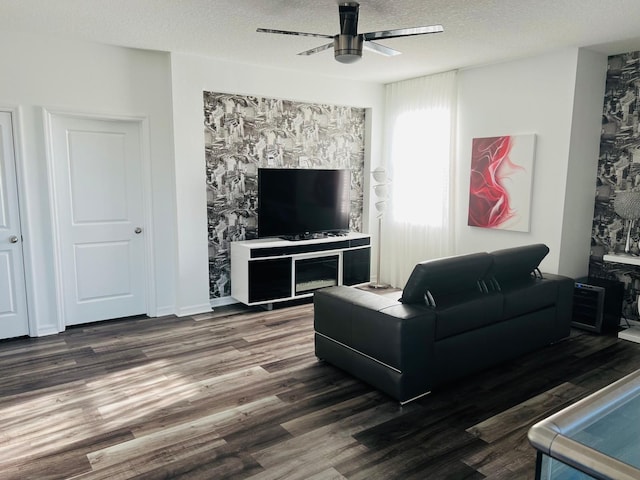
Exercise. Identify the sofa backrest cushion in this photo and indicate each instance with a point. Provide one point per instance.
(517, 263)
(444, 276)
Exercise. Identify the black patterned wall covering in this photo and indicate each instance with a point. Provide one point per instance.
(243, 133)
(618, 171)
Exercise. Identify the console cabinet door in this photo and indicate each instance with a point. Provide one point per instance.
(269, 279)
(356, 266)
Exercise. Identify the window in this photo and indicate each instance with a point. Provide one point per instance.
(421, 157)
(419, 148)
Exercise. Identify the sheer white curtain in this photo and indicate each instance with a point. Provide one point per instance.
(419, 158)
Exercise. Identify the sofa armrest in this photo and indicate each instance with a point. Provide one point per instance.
(398, 335)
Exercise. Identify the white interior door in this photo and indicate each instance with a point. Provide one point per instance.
(97, 173)
(14, 321)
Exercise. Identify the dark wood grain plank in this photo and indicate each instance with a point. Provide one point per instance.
(238, 393)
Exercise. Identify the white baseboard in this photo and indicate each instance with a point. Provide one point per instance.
(193, 310)
(43, 332)
(164, 311)
(197, 309)
(223, 301)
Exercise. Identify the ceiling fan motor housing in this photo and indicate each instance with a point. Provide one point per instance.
(347, 45)
(347, 48)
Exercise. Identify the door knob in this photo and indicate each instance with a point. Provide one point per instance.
(13, 239)
(138, 230)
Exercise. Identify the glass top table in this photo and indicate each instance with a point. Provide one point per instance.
(597, 437)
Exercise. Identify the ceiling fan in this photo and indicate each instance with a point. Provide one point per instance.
(348, 44)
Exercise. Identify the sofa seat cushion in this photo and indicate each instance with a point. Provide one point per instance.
(528, 296)
(460, 313)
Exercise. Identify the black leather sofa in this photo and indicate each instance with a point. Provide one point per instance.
(456, 316)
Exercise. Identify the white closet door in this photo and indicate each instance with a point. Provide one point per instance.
(14, 321)
(97, 173)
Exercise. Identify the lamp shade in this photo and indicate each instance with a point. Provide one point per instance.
(381, 206)
(379, 175)
(381, 191)
(627, 204)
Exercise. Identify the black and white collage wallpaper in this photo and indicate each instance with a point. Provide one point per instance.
(618, 173)
(244, 133)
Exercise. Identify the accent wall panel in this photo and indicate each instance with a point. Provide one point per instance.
(244, 133)
(618, 172)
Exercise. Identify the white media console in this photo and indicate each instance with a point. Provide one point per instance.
(270, 270)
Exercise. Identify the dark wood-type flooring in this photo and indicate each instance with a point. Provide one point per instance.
(238, 393)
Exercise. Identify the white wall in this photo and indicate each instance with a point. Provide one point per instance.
(536, 95)
(583, 164)
(556, 96)
(45, 72)
(191, 75)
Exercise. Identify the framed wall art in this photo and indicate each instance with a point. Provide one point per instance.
(501, 182)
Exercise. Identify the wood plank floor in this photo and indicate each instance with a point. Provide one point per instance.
(238, 393)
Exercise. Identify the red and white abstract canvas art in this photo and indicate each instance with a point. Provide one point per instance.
(501, 178)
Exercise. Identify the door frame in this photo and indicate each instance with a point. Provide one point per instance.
(147, 205)
(26, 243)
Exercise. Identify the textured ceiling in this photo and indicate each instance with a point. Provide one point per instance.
(476, 31)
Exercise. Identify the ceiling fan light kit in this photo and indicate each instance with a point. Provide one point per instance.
(347, 48)
(348, 44)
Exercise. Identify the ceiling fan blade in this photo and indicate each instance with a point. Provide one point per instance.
(317, 49)
(287, 32)
(381, 49)
(348, 18)
(403, 32)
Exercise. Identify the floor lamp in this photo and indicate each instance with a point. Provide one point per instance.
(381, 191)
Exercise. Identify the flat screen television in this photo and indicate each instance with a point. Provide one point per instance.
(300, 203)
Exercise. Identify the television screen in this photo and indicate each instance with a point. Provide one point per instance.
(297, 203)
